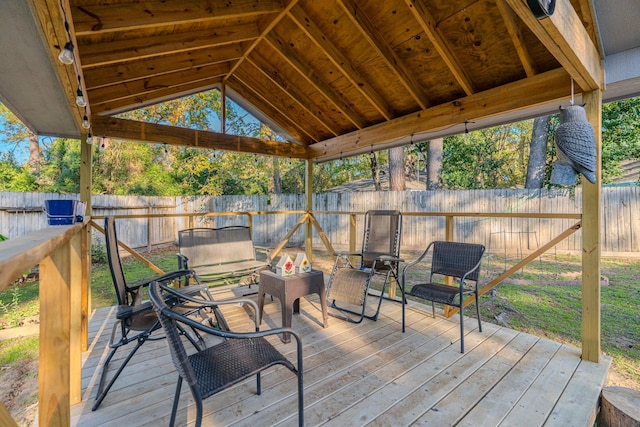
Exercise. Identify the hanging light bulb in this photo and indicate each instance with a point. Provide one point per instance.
(80, 101)
(89, 139)
(66, 54)
(85, 122)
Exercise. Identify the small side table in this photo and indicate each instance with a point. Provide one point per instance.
(289, 289)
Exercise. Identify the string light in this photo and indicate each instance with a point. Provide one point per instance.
(86, 124)
(89, 139)
(66, 54)
(466, 129)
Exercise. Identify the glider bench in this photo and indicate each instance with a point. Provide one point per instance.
(221, 255)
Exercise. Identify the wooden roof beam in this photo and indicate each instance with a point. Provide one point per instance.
(264, 31)
(245, 89)
(312, 31)
(293, 59)
(428, 24)
(140, 87)
(540, 89)
(377, 41)
(590, 23)
(292, 92)
(156, 133)
(159, 95)
(510, 21)
(95, 18)
(142, 47)
(111, 74)
(564, 35)
(50, 16)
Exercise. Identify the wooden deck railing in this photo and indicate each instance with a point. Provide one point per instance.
(63, 254)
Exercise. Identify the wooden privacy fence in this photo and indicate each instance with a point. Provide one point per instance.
(21, 213)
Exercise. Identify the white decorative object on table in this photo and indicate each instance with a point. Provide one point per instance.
(285, 266)
(302, 263)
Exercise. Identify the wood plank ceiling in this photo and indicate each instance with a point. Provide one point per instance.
(335, 77)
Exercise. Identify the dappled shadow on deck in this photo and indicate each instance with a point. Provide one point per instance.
(369, 373)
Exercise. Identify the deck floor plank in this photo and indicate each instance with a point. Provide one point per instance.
(359, 374)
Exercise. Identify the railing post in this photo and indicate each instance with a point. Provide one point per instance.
(54, 359)
(591, 226)
(308, 191)
(149, 212)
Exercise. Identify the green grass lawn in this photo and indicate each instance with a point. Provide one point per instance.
(552, 311)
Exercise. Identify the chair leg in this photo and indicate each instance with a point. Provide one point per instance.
(433, 309)
(461, 327)
(258, 384)
(103, 393)
(176, 399)
(478, 311)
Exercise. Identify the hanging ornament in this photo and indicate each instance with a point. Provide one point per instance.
(575, 147)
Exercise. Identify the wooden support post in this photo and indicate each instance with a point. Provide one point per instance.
(308, 192)
(54, 360)
(86, 182)
(591, 226)
(352, 235)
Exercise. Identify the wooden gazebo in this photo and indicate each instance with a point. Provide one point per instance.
(334, 78)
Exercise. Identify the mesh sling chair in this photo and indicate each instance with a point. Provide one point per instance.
(454, 259)
(135, 319)
(349, 283)
(216, 368)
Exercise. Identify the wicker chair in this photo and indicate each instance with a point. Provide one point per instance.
(453, 259)
(216, 368)
(136, 321)
(350, 282)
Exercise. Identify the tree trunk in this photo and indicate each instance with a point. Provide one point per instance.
(375, 176)
(396, 169)
(537, 153)
(34, 151)
(276, 181)
(434, 163)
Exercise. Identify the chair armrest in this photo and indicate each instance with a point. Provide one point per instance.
(126, 311)
(389, 258)
(267, 250)
(182, 262)
(347, 253)
(229, 334)
(165, 278)
(213, 304)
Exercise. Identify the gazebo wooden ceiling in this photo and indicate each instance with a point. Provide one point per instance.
(333, 77)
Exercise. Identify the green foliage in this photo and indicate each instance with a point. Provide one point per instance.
(620, 135)
(98, 254)
(489, 158)
(18, 302)
(10, 308)
(19, 349)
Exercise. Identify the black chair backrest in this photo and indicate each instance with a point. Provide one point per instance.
(383, 231)
(455, 259)
(115, 265)
(177, 350)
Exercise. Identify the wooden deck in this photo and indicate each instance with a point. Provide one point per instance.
(365, 374)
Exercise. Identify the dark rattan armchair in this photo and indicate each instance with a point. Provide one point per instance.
(454, 259)
(216, 368)
(136, 321)
(350, 282)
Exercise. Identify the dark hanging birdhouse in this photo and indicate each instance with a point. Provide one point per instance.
(575, 147)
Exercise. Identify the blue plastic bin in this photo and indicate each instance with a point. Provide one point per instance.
(61, 212)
